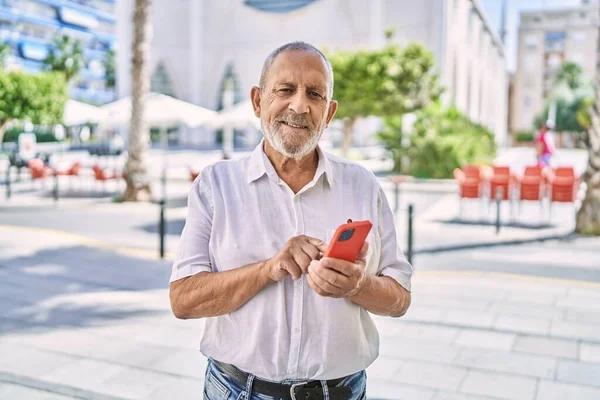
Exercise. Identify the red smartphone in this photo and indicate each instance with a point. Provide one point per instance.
(348, 240)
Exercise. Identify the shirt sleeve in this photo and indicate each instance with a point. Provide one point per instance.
(392, 263)
(193, 253)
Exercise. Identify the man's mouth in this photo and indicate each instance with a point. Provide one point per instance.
(297, 126)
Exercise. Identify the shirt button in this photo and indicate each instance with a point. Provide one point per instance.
(296, 330)
(298, 283)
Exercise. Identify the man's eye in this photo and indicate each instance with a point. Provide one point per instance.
(285, 90)
(315, 94)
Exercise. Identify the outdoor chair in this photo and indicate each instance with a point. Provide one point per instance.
(103, 176)
(470, 183)
(530, 186)
(39, 170)
(563, 186)
(193, 174)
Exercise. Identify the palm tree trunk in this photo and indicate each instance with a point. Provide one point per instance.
(3, 125)
(588, 217)
(136, 173)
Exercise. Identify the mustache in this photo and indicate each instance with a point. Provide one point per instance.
(296, 119)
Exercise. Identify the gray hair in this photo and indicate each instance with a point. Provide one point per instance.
(295, 46)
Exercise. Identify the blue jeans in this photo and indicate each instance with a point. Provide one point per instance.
(218, 386)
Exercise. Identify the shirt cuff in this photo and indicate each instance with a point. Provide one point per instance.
(399, 276)
(188, 270)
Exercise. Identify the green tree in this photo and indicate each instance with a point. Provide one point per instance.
(384, 83)
(440, 141)
(5, 51)
(39, 98)
(109, 68)
(65, 56)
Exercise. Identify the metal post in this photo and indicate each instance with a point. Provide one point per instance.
(499, 191)
(8, 183)
(161, 228)
(55, 190)
(409, 251)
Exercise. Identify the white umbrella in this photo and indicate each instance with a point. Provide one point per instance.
(240, 116)
(162, 111)
(78, 113)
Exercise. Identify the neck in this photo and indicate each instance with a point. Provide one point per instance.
(296, 173)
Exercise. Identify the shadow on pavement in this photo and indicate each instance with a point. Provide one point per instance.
(173, 227)
(76, 287)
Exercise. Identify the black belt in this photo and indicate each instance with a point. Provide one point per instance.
(305, 391)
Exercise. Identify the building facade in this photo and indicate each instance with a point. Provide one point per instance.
(221, 39)
(548, 39)
(30, 25)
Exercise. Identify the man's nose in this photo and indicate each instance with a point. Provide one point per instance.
(299, 103)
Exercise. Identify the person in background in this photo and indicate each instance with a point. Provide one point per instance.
(544, 144)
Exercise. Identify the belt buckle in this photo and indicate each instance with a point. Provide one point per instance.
(293, 389)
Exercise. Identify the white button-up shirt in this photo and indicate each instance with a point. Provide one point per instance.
(240, 212)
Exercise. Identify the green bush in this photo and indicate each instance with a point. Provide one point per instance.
(441, 140)
(524, 136)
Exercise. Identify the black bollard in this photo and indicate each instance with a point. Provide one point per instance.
(161, 228)
(8, 183)
(55, 189)
(499, 192)
(409, 251)
(396, 197)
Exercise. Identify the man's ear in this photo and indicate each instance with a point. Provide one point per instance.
(333, 106)
(255, 98)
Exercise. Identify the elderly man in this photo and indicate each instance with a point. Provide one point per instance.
(284, 322)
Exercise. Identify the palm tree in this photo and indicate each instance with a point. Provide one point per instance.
(588, 216)
(66, 56)
(109, 68)
(136, 173)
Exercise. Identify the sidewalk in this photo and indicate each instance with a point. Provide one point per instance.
(79, 321)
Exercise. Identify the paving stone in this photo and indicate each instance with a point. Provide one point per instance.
(430, 375)
(482, 319)
(420, 350)
(394, 391)
(177, 388)
(457, 396)
(500, 361)
(30, 362)
(546, 346)
(532, 297)
(9, 391)
(85, 374)
(486, 339)
(131, 383)
(384, 369)
(522, 324)
(442, 334)
(552, 390)
(422, 313)
(579, 302)
(451, 302)
(590, 317)
(589, 352)
(575, 330)
(499, 385)
(525, 309)
(578, 372)
(184, 362)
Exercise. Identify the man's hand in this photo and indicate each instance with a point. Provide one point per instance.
(332, 277)
(294, 258)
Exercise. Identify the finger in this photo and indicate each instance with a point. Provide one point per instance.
(292, 268)
(327, 287)
(301, 259)
(311, 251)
(342, 266)
(322, 247)
(332, 277)
(316, 288)
(362, 255)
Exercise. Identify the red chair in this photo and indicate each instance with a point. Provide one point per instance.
(470, 183)
(193, 174)
(531, 185)
(502, 179)
(38, 169)
(103, 176)
(563, 185)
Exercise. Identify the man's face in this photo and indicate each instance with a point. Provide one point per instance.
(294, 107)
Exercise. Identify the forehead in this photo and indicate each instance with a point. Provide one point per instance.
(299, 67)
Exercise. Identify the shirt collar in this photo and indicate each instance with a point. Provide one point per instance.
(259, 160)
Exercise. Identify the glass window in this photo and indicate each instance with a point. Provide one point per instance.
(34, 9)
(555, 41)
(530, 41)
(161, 81)
(35, 31)
(278, 6)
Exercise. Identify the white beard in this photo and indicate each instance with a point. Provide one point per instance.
(295, 151)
